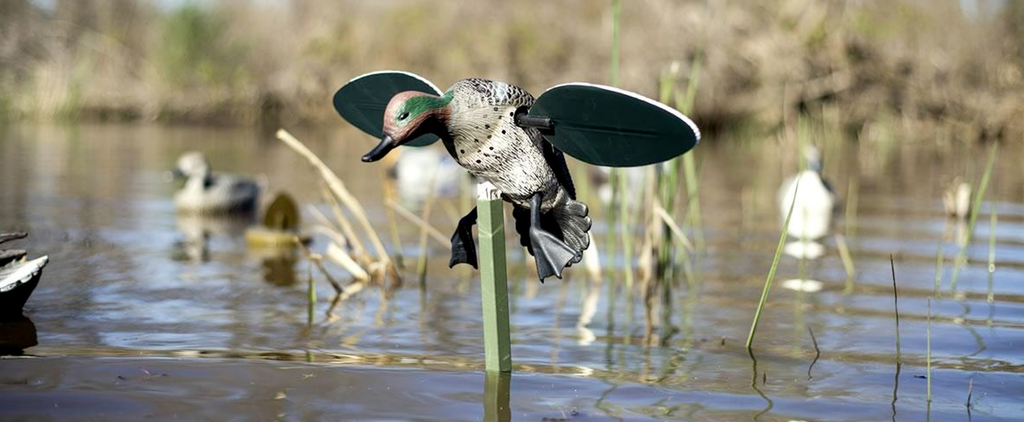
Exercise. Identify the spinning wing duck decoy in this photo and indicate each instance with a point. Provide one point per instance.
(500, 134)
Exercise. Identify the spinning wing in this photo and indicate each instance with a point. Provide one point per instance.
(610, 127)
(363, 99)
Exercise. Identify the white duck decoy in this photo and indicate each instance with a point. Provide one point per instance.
(957, 199)
(206, 192)
(417, 168)
(815, 200)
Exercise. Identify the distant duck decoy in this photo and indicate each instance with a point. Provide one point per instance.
(815, 201)
(206, 192)
(18, 276)
(417, 169)
(957, 199)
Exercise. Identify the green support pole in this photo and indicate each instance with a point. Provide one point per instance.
(497, 397)
(493, 278)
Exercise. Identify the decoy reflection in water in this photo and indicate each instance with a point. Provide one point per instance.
(208, 193)
(198, 229)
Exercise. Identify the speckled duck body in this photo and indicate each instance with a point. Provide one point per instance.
(487, 143)
(485, 140)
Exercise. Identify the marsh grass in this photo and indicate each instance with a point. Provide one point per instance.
(896, 309)
(899, 351)
(817, 352)
(928, 353)
(771, 272)
(345, 248)
(311, 311)
(993, 217)
(685, 105)
(975, 209)
(938, 269)
(844, 254)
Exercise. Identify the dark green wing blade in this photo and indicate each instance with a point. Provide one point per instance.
(362, 100)
(610, 127)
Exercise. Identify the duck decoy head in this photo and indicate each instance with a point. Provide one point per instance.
(408, 115)
(190, 164)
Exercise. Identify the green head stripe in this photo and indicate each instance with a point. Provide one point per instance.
(417, 105)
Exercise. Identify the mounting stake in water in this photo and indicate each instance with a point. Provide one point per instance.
(493, 278)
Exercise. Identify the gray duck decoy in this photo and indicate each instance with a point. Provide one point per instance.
(476, 121)
(18, 276)
(206, 192)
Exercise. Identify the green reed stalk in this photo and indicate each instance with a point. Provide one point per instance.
(667, 181)
(616, 173)
(993, 217)
(896, 308)
(938, 269)
(627, 235)
(974, 215)
(844, 254)
(771, 271)
(850, 215)
(928, 352)
(312, 294)
(685, 106)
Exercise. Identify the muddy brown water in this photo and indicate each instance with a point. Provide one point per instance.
(135, 319)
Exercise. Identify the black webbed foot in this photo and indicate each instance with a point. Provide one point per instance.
(463, 248)
(550, 252)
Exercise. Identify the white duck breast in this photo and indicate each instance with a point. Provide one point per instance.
(490, 146)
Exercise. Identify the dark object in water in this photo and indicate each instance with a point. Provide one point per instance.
(18, 277)
(17, 333)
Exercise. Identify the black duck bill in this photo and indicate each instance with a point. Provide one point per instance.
(383, 148)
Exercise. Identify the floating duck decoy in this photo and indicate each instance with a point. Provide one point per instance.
(957, 199)
(206, 192)
(501, 135)
(18, 276)
(815, 200)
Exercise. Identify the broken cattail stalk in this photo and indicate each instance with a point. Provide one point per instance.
(337, 187)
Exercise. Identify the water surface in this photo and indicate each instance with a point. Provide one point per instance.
(137, 316)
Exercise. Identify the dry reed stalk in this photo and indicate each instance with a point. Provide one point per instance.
(424, 225)
(421, 262)
(676, 231)
(327, 227)
(331, 233)
(337, 187)
(317, 260)
(340, 257)
(346, 227)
